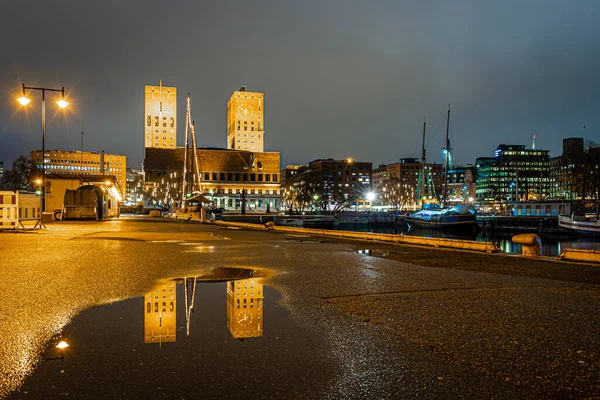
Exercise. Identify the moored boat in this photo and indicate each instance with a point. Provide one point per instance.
(454, 217)
(580, 223)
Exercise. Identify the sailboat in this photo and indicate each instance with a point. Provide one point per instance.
(459, 216)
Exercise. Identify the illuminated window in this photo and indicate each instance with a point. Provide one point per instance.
(172, 122)
(155, 121)
(149, 120)
(164, 122)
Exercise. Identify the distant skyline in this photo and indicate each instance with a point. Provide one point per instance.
(341, 78)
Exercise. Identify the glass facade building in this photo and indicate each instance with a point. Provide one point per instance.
(514, 174)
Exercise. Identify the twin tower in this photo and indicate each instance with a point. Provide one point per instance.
(245, 119)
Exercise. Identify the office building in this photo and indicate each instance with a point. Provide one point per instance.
(68, 162)
(514, 173)
(398, 185)
(330, 185)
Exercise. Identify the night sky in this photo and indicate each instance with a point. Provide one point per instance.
(341, 77)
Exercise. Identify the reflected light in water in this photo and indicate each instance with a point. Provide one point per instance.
(201, 249)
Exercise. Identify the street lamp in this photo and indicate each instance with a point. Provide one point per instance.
(62, 103)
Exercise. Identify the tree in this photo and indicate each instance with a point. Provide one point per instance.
(20, 176)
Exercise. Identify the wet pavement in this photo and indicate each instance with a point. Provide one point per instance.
(326, 320)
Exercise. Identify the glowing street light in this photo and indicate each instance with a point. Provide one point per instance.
(371, 196)
(62, 103)
(62, 345)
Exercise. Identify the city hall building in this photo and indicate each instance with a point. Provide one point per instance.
(224, 174)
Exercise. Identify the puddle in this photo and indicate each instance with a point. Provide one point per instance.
(222, 334)
(373, 252)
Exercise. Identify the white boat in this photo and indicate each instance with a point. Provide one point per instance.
(580, 223)
(458, 216)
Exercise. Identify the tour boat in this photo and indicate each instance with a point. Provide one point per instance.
(580, 224)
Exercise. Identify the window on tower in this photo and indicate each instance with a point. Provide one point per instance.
(155, 121)
(149, 121)
(172, 122)
(164, 122)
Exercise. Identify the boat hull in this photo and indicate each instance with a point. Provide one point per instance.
(585, 227)
(449, 222)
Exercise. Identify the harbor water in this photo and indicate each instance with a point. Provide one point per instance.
(552, 244)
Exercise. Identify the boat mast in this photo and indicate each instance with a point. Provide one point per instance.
(195, 164)
(423, 158)
(447, 160)
(185, 155)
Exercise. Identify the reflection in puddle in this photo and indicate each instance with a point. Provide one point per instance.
(245, 308)
(160, 316)
(373, 252)
(221, 334)
(244, 305)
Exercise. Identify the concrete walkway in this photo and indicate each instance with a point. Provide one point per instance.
(410, 322)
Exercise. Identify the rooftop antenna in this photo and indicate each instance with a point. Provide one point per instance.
(533, 146)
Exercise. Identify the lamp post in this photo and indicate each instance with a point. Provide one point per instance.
(81, 154)
(62, 103)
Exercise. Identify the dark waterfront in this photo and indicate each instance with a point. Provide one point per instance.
(552, 244)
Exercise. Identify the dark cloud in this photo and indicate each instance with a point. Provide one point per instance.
(341, 77)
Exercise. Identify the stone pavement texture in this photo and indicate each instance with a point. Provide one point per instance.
(410, 323)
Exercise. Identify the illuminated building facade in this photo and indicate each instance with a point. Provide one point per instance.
(515, 173)
(224, 175)
(398, 185)
(330, 185)
(134, 193)
(576, 173)
(160, 117)
(160, 313)
(245, 121)
(461, 184)
(66, 162)
(245, 300)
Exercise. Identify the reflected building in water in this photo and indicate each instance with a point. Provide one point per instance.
(245, 308)
(160, 312)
